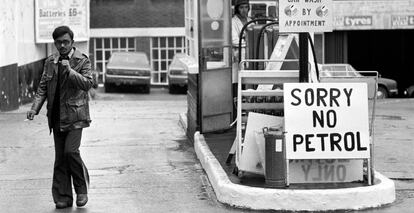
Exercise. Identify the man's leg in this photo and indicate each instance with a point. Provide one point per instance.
(62, 183)
(78, 170)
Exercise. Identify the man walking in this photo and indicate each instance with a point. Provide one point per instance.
(65, 82)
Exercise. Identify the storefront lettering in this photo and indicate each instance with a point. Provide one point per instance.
(358, 20)
(399, 21)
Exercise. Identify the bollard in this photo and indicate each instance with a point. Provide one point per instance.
(275, 171)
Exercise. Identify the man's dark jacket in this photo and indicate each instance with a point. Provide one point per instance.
(75, 83)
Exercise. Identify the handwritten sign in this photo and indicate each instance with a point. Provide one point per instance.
(326, 120)
(305, 15)
(50, 14)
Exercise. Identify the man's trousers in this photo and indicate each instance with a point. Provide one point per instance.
(68, 166)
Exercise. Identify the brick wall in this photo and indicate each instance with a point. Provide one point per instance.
(136, 13)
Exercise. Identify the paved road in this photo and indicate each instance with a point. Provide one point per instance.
(137, 154)
(140, 160)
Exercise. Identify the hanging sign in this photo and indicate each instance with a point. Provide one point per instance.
(50, 14)
(305, 15)
(326, 120)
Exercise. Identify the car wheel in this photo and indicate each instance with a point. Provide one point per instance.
(382, 93)
(108, 87)
(410, 92)
(146, 89)
(171, 89)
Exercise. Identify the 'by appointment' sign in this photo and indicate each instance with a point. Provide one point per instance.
(50, 14)
(305, 15)
(326, 120)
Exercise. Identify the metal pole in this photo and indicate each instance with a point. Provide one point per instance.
(303, 57)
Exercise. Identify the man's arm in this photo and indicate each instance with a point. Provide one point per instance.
(40, 96)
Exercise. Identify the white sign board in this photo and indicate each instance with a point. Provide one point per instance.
(50, 14)
(325, 171)
(305, 15)
(251, 150)
(326, 120)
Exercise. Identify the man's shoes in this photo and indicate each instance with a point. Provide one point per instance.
(62, 204)
(81, 199)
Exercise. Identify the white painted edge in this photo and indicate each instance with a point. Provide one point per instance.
(290, 199)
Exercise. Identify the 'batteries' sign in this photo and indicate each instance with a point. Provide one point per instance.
(326, 120)
(305, 15)
(50, 14)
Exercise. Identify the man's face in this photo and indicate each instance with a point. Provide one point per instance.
(64, 44)
(244, 10)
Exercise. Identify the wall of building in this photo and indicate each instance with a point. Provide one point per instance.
(374, 35)
(30, 55)
(137, 13)
(140, 21)
(9, 96)
(8, 56)
(21, 60)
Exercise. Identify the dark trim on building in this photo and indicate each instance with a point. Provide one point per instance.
(9, 90)
(18, 84)
(336, 47)
(29, 78)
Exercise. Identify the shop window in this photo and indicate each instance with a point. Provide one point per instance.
(123, 42)
(98, 43)
(115, 43)
(155, 54)
(107, 43)
(163, 50)
(131, 43)
(98, 55)
(102, 48)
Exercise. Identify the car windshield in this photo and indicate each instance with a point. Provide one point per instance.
(339, 70)
(129, 59)
(176, 63)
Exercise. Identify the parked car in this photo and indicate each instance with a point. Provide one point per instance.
(409, 92)
(128, 68)
(177, 73)
(386, 87)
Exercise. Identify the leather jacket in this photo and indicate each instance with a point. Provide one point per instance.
(74, 106)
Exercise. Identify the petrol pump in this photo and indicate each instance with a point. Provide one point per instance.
(210, 101)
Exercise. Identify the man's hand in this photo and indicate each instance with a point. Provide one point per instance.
(31, 114)
(65, 63)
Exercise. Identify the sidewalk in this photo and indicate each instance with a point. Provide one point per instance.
(394, 120)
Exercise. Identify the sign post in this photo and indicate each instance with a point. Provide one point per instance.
(304, 16)
(303, 57)
(50, 14)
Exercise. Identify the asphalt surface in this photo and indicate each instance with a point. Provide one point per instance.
(140, 160)
(138, 157)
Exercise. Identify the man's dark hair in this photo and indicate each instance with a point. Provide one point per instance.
(62, 30)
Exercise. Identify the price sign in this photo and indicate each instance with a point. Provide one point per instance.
(50, 14)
